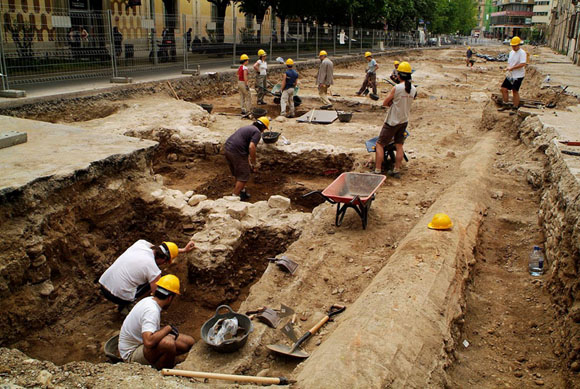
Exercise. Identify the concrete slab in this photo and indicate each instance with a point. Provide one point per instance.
(56, 149)
(12, 138)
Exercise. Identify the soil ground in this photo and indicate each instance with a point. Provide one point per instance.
(508, 311)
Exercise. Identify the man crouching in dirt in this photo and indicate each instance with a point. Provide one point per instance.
(142, 339)
(136, 271)
(241, 154)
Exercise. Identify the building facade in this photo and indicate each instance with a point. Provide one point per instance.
(564, 28)
(513, 17)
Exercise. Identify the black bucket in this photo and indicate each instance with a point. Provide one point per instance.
(233, 344)
(270, 136)
(258, 112)
(344, 117)
(207, 107)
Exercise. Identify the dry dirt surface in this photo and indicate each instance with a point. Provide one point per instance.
(509, 320)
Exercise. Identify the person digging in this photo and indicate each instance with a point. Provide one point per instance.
(324, 79)
(399, 99)
(240, 152)
(516, 72)
(289, 81)
(136, 272)
(143, 340)
(370, 76)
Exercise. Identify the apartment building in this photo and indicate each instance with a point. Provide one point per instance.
(513, 17)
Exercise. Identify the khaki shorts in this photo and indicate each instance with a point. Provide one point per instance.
(388, 133)
(239, 166)
(138, 356)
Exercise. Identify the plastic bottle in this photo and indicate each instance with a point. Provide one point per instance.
(536, 264)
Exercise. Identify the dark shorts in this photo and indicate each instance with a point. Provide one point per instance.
(388, 133)
(515, 86)
(239, 166)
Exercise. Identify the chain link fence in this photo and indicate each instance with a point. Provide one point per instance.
(117, 43)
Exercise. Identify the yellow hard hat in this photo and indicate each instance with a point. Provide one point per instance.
(289, 61)
(515, 41)
(261, 53)
(404, 67)
(368, 54)
(440, 222)
(244, 57)
(396, 63)
(170, 283)
(468, 47)
(265, 121)
(322, 52)
(171, 248)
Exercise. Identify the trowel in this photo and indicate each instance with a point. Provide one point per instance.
(285, 263)
(295, 350)
(272, 317)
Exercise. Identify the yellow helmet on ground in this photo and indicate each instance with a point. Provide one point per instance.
(170, 250)
(265, 121)
(396, 63)
(289, 61)
(405, 67)
(440, 222)
(368, 54)
(261, 52)
(170, 283)
(515, 41)
(322, 52)
(244, 57)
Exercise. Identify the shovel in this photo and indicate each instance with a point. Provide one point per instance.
(295, 350)
(552, 103)
(228, 377)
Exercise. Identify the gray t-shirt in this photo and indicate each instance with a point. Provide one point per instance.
(239, 141)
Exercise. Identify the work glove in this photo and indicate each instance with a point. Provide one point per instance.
(174, 331)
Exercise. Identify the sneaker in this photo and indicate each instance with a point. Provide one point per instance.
(374, 171)
(261, 103)
(505, 107)
(244, 196)
(357, 94)
(366, 92)
(244, 112)
(394, 174)
(326, 106)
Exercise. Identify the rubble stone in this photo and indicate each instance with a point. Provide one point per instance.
(196, 199)
(279, 202)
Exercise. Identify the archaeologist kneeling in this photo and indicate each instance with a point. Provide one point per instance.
(241, 153)
(136, 271)
(142, 339)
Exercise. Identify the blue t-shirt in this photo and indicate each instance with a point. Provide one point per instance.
(239, 141)
(291, 77)
(372, 66)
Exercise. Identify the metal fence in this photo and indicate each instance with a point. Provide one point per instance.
(122, 43)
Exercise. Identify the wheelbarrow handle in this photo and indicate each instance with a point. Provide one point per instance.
(331, 201)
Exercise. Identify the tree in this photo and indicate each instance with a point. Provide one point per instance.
(222, 6)
(257, 8)
(285, 9)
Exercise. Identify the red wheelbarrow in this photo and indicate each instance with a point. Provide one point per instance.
(352, 190)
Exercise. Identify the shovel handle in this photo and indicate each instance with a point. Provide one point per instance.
(334, 310)
(227, 377)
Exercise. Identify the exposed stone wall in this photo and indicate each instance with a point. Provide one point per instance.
(559, 216)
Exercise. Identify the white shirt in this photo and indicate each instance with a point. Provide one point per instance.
(136, 266)
(516, 58)
(262, 67)
(401, 107)
(144, 317)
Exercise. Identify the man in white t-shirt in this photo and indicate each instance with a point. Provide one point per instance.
(516, 69)
(136, 271)
(142, 340)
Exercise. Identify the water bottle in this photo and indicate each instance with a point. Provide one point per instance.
(536, 265)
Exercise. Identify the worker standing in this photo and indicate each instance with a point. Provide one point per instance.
(394, 76)
(261, 68)
(370, 77)
(136, 271)
(288, 83)
(240, 151)
(516, 72)
(468, 57)
(324, 79)
(243, 86)
(142, 340)
(399, 99)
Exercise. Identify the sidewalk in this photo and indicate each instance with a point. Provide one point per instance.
(560, 68)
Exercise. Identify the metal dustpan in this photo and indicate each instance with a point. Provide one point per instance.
(285, 264)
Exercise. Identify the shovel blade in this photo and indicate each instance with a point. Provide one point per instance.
(285, 350)
(288, 330)
(285, 311)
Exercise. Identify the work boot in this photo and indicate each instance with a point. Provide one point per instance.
(505, 107)
(244, 195)
(394, 174)
(326, 107)
(366, 92)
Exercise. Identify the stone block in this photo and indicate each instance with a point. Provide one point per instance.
(12, 93)
(238, 210)
(12, 138)
(196, 199)
(279, 202)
